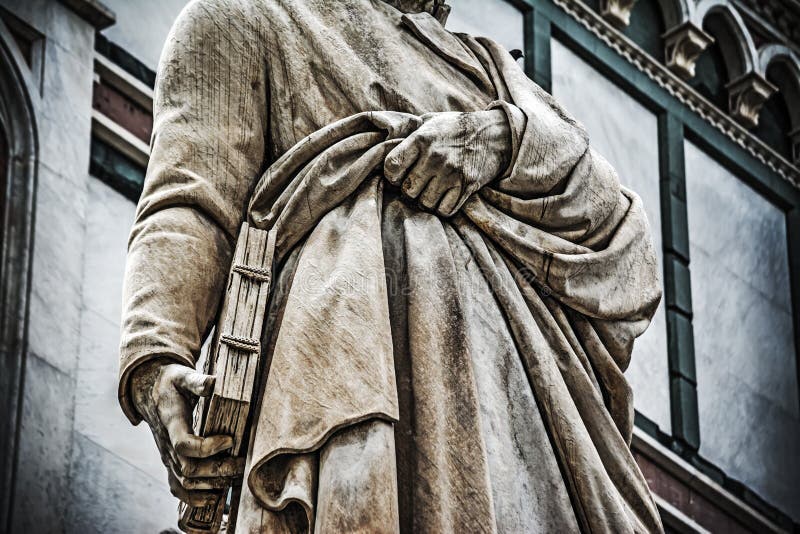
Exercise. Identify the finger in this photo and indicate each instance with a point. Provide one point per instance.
(201, 484)
(433, 192)
(447, 207)
(197, 384)
(463, 197)
(175, 417)
(223, 467)
(197, 447)
(168, 454)
(192, 498)
(414, 184)
(399, 160)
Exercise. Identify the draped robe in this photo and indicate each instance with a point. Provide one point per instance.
(423, 374)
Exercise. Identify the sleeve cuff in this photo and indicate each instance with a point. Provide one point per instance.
(517, 121)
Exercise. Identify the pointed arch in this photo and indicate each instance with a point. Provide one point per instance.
(18, 104)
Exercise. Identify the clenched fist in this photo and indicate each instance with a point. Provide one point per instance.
(165, 395)
(449, 157)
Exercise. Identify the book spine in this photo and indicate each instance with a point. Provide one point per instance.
(234, 357)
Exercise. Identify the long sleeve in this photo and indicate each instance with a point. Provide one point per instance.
(207, 152)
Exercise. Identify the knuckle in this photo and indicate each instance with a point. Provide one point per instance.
(221, 467)
(187, 467)
(183, 446)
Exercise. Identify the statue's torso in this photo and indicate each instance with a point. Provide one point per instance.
(328, 60)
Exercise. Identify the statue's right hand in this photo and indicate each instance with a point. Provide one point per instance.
(165, 395)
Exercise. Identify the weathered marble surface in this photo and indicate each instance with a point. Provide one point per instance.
(626, 133)
(563, 248)
(746, 365)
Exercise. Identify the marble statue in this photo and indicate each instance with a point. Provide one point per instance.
(457, 284)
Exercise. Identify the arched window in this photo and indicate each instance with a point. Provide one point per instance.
(646, 27)
(711, 75)
(18, 155)
(774, 123)
(724, 60)
(779, 121)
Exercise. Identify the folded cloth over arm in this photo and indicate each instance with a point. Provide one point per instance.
(565, 249)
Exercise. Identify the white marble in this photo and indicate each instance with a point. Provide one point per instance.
(496, 19)
(626, 133)
(746, 363)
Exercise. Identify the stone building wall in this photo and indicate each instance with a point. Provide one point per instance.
(64, 126)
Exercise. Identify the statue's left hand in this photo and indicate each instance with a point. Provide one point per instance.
(449, 157)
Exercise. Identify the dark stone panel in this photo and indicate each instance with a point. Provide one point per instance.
(125, 60)
(117, 170)
(122, 110)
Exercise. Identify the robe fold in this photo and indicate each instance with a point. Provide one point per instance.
(423, 374)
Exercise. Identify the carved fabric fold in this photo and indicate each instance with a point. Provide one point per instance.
(550, 285)
(424, 375)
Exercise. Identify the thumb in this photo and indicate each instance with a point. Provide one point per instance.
(196, 383)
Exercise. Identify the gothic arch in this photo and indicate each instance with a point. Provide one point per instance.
(725, 24)
(773, 55)
(18, 104)
(781, 66)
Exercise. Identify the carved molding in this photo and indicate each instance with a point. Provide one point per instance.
(676, 87)
(617, 12)
(746, 97)
(683, 44)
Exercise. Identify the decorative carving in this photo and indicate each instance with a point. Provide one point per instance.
(746, 96)
(676, 87)
(683, 45)
(617, 12)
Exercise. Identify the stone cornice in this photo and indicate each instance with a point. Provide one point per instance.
(679, 89)
(93, 12)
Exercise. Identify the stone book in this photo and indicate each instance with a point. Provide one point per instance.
(233, 358)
